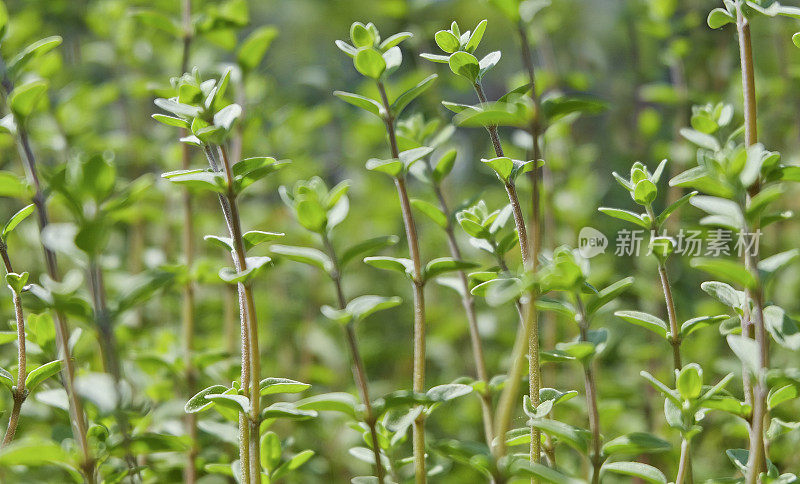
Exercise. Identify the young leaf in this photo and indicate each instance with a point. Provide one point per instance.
(445, 264)
(369, 62)
(636, 443)
(391, 264)
(404, 99)
(642, 471)
(465, 65)
(331, 402)
(690, 381)
(255, 46)
(724, 269)
(363, 306)
(41, 374)
(654, 324)
(432, 211)
(240, 403)
(270, 386)
(365, 103)
(608, 294)
(23, 99)
(198, 402)
(306, 255)
(575, 437)
(625, 215)
(368, 246)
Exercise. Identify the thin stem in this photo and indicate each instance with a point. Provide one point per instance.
(252, 352)
(20, 392)
(359, 374)
(756, 463)
(77, 416)
(685, 465)
(472, 322)
(589, 380)
(188, 313)
(418, 383)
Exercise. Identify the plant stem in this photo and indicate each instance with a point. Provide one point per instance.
(359, 374)
(589, 380)
(528, 333)
(685, 465)
(244, 427)
(20, 392)
(77, 416)
(756, 462)
(472, 322)
(188, 312)
(418, 383)
(252, 327)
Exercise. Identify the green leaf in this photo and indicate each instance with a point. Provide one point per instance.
(746, 350)
(662, 217)
(392, 167)
(270, 386)
(270, 451)
(782, 394)
(432, 211)
(665, 390)
(288, 411)
(32, 452)
(724, 269)
(369, 62)
(447, 41)
(636, 443)
(17, 282)
(256, 237)
(7, 378)
(365, 103)
(159, 21)
(554, 108)
(541, 472)
(34, 50)
(293, 463)
(368, 246)
(575, 437)
(465, 65)
(608, 294)
(625, 215)
(645, 472)
(306, 255)
(360, 35)
(719, 17)
(645, 320)
(198, 402)
(311, 214)
(392, 264)
(331, 402)
(645, 192)
(13, 186)
(447, 392)
(702, 140)
(198, 179)
(475, 38)
(363, 306)
(226, 116)
(254, 265)
(240, 403)
(23, 99)
(445, 264)
(690, 381)
(444, 166)
(439, 59)
(394, 40)
(784, 330)
(404, 99)
(171, 121)
(691, 325)
(255, 46)
(42, 373)
(725, 212)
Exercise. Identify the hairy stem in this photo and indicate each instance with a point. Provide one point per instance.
(359, 373)
(472, 321)
(20, 392)
(756, 463)
(589, 380)
(418, 383)
(253, 354)
(685, 465)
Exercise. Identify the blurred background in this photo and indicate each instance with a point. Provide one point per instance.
(648, 61)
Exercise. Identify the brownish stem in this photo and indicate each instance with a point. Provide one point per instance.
(418, 382)
(20, 392)
(472, 322)
(359, 373)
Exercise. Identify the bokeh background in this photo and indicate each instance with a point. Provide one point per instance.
(648, 61)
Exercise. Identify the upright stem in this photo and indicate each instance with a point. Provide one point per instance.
(591, 395)
(77, 416)
(685, 466)
(528, 333)
(418, 383)
(757, 458)
(20, 392)
(254, 419)
(188, 313)
(472, 321)
(111, 362)
(359, 374)
(244, 427)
